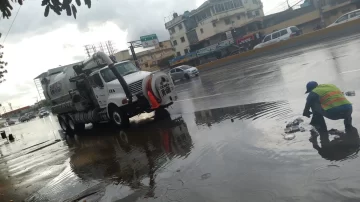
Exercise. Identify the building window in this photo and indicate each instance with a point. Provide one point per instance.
(219, 8)
(238, 3)
(203, 15)
(172, 31)
(175, 43)
(146, 65)
(249, 14)
(180, 26)
(186, 51)
(214, 24)
(202, 31)
(255, 2)
(227, 21)
(182, 39)
(257, 13)
(238, 17)
(229, 5)
(178, 53)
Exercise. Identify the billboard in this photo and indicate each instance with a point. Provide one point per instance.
(149, 40)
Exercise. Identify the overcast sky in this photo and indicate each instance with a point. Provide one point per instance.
(36, 44)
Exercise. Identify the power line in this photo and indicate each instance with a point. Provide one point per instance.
(12, 23)
(297, 3)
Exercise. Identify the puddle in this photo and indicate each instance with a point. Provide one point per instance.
(326, 173)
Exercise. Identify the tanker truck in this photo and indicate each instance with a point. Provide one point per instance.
(100, 90)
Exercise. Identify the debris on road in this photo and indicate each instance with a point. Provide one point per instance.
(205, 176)
(296, 122)
(294, 126)
(292, 129)
(289, 136)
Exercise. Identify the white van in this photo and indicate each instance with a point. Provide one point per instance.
(280, 35)
(353, 15)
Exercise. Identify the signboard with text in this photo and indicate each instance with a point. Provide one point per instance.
(149, 40)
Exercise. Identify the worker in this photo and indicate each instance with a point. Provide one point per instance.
(327, 100)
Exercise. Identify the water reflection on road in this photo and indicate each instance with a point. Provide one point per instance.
(226, 154)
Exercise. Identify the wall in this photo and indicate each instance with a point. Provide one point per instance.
(316, 37)
(122, 55)
(148, 59)
(311, 16)
(219, 18)
(308, 20)
(177, 36)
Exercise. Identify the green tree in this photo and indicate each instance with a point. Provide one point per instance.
(2, 64)
(56, 6)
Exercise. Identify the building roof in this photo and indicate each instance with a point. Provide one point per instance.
(16, 111)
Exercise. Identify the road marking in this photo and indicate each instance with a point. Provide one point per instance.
(237, 78)
(356, 70)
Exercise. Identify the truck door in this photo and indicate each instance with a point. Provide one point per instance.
(100, 91)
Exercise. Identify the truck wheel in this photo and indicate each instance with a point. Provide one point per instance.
(119, 118)
(75, 128)
(64, 126)
(161, 114)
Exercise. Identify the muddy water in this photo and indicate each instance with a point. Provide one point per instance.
(235, 153)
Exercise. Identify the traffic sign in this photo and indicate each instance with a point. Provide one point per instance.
(149, 40)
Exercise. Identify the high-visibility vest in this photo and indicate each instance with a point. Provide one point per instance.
(330, 96)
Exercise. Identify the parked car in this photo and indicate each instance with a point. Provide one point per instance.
(280, 35)
(24, 118)
(10, 122)
(43, 113)
(350, 16)
(183, 72)
(31, 115)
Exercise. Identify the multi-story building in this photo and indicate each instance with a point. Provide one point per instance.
(309, 17)
(148, 60)
(213, 22)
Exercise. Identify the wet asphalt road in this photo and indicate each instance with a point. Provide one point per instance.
(224, 142)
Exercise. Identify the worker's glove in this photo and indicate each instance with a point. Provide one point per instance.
(307, 114)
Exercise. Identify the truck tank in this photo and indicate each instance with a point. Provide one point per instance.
(59, 86)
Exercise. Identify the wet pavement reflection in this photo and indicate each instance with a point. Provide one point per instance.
(224, 141)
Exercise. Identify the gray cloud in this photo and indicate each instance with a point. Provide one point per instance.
(138, 17)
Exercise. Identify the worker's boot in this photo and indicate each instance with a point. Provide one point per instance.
(348, 124)
(318, 122)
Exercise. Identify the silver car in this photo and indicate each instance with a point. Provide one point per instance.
(183, 72)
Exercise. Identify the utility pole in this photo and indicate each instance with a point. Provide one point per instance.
(133, 45)
(319, 5)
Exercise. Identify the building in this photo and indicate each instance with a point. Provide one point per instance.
(213, 22)
(148, 60)
(309, 16)
(16, 112)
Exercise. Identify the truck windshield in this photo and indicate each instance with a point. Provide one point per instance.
(123, 69)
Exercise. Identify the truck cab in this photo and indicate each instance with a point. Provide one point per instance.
(108, 89)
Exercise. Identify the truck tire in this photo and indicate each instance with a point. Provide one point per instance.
(64, 126)
(161, 114)
(119, 118)
(75, 128)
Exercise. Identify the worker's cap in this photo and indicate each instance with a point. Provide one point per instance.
(311, 86)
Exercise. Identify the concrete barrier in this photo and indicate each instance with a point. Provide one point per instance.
(312, 38)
